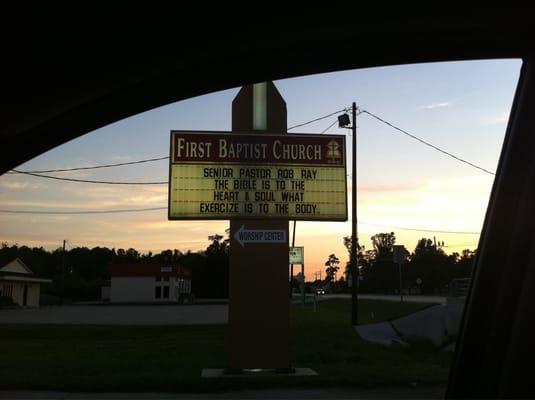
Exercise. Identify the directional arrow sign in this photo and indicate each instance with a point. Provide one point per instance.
(259, 236)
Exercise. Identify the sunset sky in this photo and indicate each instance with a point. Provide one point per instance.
(461, 107)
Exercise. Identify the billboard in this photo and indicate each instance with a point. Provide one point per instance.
(223, 175)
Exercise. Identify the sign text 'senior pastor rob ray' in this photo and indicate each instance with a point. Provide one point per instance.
(217, 175)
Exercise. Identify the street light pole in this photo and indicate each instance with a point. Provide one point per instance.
(354, 233)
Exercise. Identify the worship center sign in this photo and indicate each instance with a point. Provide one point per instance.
(221, 175)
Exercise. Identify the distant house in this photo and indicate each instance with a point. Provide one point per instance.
(149, 283)
(19, 282)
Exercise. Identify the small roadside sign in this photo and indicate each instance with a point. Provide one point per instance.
(297, 255)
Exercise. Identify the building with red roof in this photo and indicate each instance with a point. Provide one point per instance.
(149, 283)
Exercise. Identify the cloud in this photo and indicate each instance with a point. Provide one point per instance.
(388, 187)
(442, 204)
(445, 204)
(18, 185)
(432, 106)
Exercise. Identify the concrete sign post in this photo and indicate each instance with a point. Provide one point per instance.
(258, 177)
(259, 310)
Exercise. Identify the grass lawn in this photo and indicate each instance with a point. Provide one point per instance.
(170, 358)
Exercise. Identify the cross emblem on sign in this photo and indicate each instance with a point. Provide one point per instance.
(333, 151)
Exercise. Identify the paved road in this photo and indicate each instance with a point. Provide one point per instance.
(156, 314)
(119, 315)
(408, 299)
(327, 393)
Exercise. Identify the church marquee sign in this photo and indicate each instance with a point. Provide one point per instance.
(221, 175)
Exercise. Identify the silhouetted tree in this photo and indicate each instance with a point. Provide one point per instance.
(383, 244)
(380, 272)
(430, 263)
(333, 265)
(87, 269)
(363, 257)
(216, 272)
(464, 263)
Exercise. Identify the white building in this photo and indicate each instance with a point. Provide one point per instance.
(149, 283)
(19, 282)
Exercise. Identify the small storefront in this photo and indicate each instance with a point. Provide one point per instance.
(149, 283)
(20, 283)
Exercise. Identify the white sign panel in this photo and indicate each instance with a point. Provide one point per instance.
(297, 255)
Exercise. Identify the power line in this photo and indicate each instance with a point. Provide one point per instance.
(89, 180)
(81, 212)
(461, 244)
(429, 144)
(329, 127)
(39, 173)
(44, 171)
(420, 230)
(318, 119)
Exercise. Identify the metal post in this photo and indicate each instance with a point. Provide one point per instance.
(303, 275)
(354, 233)
(400, 282)
(291, 265)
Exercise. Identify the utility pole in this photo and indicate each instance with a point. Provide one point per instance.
(63, 258)
(62, 273)
(354, 233)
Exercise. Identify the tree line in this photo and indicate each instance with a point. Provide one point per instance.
(426, 270)
(80, 272)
